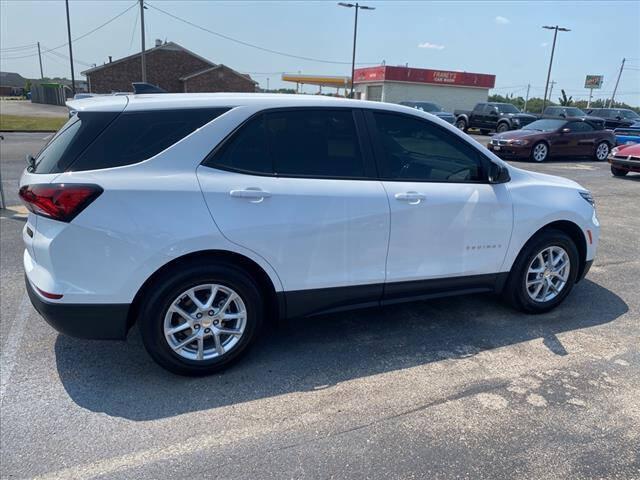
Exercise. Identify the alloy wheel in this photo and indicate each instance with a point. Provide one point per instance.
(602, 152)
(540, 152)
(205, 322)
(547, 274)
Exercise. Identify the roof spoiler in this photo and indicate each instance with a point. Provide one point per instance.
(142, 87)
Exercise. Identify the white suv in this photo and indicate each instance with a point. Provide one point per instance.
(197, 216)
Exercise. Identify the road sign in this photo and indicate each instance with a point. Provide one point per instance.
(593, 81)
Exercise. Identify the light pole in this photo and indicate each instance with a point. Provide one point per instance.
(553, 48)
(357, 7)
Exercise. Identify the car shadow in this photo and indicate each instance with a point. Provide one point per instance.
(119, 379)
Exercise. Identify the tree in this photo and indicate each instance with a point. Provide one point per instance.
(564, 100)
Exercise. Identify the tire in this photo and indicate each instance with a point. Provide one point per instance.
(485, 132)
(461, 124)
(540, 152)
(601, 153)
(502, 127)
(155, 318)
(618, 172)
(522, 284)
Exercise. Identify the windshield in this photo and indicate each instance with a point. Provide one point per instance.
(507, 108)
(546, 125)
(630, 114)
(575, 112)
(429, 107)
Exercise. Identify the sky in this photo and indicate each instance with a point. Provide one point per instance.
(503, 38)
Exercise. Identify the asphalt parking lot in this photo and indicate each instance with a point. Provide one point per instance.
(451, 388)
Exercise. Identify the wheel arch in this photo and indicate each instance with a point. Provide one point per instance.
(274, 305)
(573, 231)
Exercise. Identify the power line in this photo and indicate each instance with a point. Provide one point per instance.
(21, 47)
(77, 38)
(247, 44)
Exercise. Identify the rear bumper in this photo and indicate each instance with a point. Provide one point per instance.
(91, 321)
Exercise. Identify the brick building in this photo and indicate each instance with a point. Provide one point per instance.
(171, 67)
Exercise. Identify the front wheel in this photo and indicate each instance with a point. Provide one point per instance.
(544, 273)
(618, 172)
(461, 124)
(502, 127)
(199, 319)
(602, 151)
(540, 152)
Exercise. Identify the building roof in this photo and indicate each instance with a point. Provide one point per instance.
(210, 69)
(12, 79)
(164, 46)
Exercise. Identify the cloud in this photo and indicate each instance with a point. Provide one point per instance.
(502, 20)
(432, 46)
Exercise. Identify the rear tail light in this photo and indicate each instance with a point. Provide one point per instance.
(60, 201)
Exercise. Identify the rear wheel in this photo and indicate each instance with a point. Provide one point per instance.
(618, 172)
(200, 319)
(544, 273)
(540, 152)
(602, 151)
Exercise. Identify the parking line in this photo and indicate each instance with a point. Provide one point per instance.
(8, 358)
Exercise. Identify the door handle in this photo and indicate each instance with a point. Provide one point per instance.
(412, 198)
(255, 195)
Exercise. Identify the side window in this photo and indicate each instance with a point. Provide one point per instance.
(416, 150)
(480, 108)
(247, 150)
(314, 143)
(137, 136)
(580, 127)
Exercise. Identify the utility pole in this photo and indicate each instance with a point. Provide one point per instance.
(357, 7)
(73, 77)
(615, 89)
(553, 82)
(553, 49)
(40, 59)
(144, 66)
(526, 100)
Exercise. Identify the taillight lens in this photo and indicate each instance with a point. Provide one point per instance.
(60, 201)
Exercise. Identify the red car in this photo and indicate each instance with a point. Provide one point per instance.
(625, 159)
(549, 137)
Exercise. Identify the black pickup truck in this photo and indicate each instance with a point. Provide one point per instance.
(500, 117)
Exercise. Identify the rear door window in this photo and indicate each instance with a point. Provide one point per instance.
(71, 140)
(137, 136)
(314, 143)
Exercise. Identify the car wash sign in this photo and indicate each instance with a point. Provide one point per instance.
(593, 82)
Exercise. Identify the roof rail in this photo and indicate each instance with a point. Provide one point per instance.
(142, 87)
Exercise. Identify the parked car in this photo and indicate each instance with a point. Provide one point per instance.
(616, 117)
(627, 135)
(572, 112)
(486, 117)
(625, 159)
(198, 215)
(549, 137)
(432, 108)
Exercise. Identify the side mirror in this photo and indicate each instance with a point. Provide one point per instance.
(618, 117)
(498, 174)
(493, 112)
(563, 115)
(565, 130)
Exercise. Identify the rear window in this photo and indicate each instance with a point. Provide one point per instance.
(137, 136)
(71, 140)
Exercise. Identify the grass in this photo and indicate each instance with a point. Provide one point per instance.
(17, 122)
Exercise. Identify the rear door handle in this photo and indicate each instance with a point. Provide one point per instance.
(412, 198)
(255, 195)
